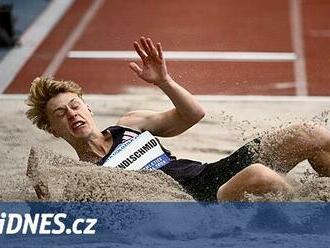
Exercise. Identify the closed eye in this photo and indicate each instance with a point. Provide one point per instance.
(60, 112)
(74, 105)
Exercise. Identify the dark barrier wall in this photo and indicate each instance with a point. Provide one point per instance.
(6, 25)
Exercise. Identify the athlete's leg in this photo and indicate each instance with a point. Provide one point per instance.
(285, 148)
(257, 179)
(321, 163)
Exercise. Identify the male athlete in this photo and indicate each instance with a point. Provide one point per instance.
(58, 108)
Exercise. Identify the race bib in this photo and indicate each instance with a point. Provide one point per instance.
(140, 152)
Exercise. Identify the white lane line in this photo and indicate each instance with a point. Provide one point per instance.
(16, 58)
(298, 47)
(284, 85)
(189, 56)
(208, 98)
(72, 38)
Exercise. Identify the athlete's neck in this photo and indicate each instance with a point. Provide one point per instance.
(94, 148)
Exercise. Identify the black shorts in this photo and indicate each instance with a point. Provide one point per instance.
(202, 181)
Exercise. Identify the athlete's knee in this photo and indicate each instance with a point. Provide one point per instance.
(256, 179)
(261, 176)
(322, 137)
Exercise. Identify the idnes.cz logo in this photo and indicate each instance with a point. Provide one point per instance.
(44, 223)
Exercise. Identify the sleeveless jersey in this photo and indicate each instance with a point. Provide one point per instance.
(179, 169)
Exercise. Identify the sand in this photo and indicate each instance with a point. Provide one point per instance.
(58, 178)
(228, 125)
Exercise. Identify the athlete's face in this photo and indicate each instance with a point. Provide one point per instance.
(69, 117)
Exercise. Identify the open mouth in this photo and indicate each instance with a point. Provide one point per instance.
(76, 125)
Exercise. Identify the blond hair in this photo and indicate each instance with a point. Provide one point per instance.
(43, 89)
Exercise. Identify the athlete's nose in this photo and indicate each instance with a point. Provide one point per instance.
(71, 113)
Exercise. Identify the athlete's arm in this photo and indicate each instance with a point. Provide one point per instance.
(187, 110)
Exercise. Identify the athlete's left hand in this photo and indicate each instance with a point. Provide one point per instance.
(154, 68)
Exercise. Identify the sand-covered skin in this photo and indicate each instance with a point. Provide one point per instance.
(228, 125)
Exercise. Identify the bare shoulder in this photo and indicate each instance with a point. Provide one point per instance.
(135, 119)
(164, 124)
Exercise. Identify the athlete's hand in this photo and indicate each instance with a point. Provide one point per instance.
(153, 64)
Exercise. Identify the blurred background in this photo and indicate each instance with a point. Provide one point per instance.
(212, 47)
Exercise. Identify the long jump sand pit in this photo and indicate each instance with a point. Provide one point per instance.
(230, 122)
